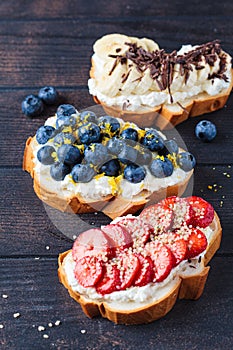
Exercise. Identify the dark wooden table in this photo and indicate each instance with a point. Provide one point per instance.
(50, 42)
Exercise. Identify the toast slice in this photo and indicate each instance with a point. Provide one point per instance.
(188, 283)
(111, 205)
(164, 115)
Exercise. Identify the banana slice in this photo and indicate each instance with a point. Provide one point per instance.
(111, 80)
(112, 44)
(150, 44)
(139, 42)
(144, 84)
(132, 77)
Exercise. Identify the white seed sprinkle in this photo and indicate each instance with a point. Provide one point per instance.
(4, 296)
(57, 323)
(41, 328)
(1, 326)
(47, 247)
(83, 331)
(37, 258)
(45, 336)
(50, 324)
(16, 315)
(74, 236)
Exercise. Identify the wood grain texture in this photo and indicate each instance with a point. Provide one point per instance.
(44, 42)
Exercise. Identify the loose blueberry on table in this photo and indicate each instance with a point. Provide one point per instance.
(205, 131)
(85, 146)
(32, 106)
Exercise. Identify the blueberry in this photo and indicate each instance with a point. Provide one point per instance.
(46, 155)
(82, 173)
(96, 154)
(65, 110)
(48, 95)
(44, 133)
(170, 147)
(134, 173)
(129, 134)
(115, 145)
(128, 154)
(205, 131)
(109, 125)
(144, 156)
(58, 171)
(32, 106)
(186, 161)
(64, 138)
(66, 116)
(69, 154)
(152, 140)
(111, 168)
(88, 133)
(161, 168)
(88, 116)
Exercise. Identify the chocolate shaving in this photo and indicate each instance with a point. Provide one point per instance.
(161, 64)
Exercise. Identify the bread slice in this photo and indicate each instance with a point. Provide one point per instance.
(110, 205)
(165, 115)
(187, 284)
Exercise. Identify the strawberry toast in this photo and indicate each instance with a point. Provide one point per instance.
(135, 80)
(133, 270)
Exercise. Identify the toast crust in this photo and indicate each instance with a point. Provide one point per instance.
(164, 116)
(185, 287)
(109, 205)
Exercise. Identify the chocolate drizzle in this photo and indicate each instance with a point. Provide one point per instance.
(161, 64)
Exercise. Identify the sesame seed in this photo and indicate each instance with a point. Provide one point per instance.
(57, 323)
(4, 296)
(1, 326)
(41, 328)
(37, 258)
(45, 336)
(83, 331)
(16, 315)
(47, 247)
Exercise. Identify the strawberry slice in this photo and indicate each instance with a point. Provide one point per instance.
(159, 216)
(128, 265)
(162, 258)
(197, 243)
(169, 201)
(203, 212)
(139, 230)
(93, 242)
(88, 271)
(182, 210)
(118, 235)
(109, 281)
(178, 246)
(145, 272)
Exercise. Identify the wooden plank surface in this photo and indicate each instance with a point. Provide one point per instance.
(44, 42)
